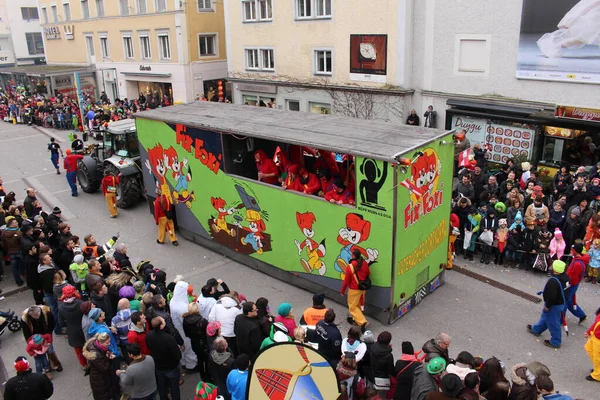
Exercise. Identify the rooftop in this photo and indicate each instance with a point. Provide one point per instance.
(48, 70)
(368, 138)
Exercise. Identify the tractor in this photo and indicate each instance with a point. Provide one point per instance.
(118, 153)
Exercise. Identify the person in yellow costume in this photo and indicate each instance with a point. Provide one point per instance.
(592, 347)
(256, 228)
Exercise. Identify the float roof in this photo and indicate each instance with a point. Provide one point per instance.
(368, 138)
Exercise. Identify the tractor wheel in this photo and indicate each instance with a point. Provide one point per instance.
(129, 190)
(86, 180)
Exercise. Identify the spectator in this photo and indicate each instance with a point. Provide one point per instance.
(247, 332)
(138, 329)
(438, 347)
(545, 388)
(206, 301)
(194, 327)
(98, 325)
(346, 371)
(278, 334)
(413, 118)
(465, 187)
(103, 381)
(426, 378)
(11, 239)
(39, 319)
(382, 362)
(214, 288)
(265, 320)
(450, 386)
(238, 377)
(470, 390)
(225, 311)
(404, 370)
(69, 307)
(286, 317)
(167, 355)
(179, 307)
(213, 331)
(221, 363)
(159, 309)
(99, 296)
(523, 383)
(316, 313)
(352, 343)
(491, 373)
(138, 380)
(27, 385)
(463, 365)
(329, 338)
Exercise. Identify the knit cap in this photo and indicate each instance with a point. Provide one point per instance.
(37, 339)
(407, 348)
(21, 364)
(78, 259)
(212, 328)
(127, 292)
(558, 266)
(56, 211)
(94, 314)
(576, 211)
(557, 233)
(284, 309)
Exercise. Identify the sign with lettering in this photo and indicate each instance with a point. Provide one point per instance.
(7, 57)
(63, 81)
(52, 32)
(145, 68)
(254, 87)
(580, 113)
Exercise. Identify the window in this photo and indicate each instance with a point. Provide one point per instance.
(54, 11)
(141, 7)
(67, 11)
(89, 42)
(252, 59)
(260, 59)
(292, 105)
(268, 61)
(258, 10)
(319, 108)
(249, 10)
(208, 45)
(29, 13)
(309, 9)
(472, 54)
(35, 43)
(85, 9)
(104, 46)
(100, 8)
(205, 5)
(124, 7)
(44, 15)
(128, 46)
(145, 45)
(323, 64)
(164, 47)
(160, 5)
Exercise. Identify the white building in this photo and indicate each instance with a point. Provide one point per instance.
(21, 41)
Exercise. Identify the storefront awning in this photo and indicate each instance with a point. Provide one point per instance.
(47, 70)
(146, 74)
(503, 108)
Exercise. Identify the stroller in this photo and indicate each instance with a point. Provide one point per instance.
(9, 320)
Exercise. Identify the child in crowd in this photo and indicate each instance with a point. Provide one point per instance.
(79, 270)
(472, 226)
(529, 244)
(543, 259)
(501, 239)
(557, 245)
(517, 222)
(346, 370)
(37, 347)
(557, 216)
(489, 225)
(594, 253)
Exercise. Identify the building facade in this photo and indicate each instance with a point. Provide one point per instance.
(321, 56)
(152, 47)
(21, 40)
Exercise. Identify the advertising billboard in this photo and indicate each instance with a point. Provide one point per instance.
(560, 41)
(368, 57)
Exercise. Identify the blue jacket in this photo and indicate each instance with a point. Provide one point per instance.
(556, 396)
(236, 384)
(96, 328)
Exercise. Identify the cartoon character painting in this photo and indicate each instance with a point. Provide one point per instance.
(425, 171)
(314, 250)
(182, 173)
(357, 230)
(219, 223)
(256, 227)
(157, 165)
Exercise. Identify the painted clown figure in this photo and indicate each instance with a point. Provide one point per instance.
(357, 230)
(314, 250)
(256, 227)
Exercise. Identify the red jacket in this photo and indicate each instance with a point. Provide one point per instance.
(595, 332)
(159, 211)
(312, 186)
(109, 180)
(576, 269)
(345, 197)
(70, 162)
(362, 274)
(267, 166)
(140, 339)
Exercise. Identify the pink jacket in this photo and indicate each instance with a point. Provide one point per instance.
(557, 247)
(38, 349)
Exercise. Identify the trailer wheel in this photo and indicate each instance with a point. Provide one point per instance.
(86, 180)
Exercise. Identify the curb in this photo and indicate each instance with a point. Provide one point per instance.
(17, 290)
(46, 132)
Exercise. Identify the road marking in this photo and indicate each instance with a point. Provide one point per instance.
(18, 138)
(62, 191)
(33, 176)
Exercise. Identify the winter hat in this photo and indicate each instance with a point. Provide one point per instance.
(596, 179)
(558, 266)
(212, 328)
(212, 282)
(56, 211)
(127, 292)
(451, 385)
(85, 307)
(284, 309)
(318, 299)
(68, 292)
(21, 364)
(436, 365)
(557, 232)
(518, 216)
(407, 348)
(368, 337)
(578, 248)
(94, 314)
(37, 339)
(576, 211)
(78, 259)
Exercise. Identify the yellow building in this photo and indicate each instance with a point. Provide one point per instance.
(154, 47)
(323, 56)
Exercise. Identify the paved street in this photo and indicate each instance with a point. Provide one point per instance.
(480, 318)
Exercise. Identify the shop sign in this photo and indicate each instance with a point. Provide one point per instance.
(63, 81)
(52, 32)
(505, 141)
(145, 68)
(254, 87)
(6, 57)
(563, 133)
(580, 113)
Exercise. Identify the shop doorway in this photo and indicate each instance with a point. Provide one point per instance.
(211, 89)
(156, 93)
